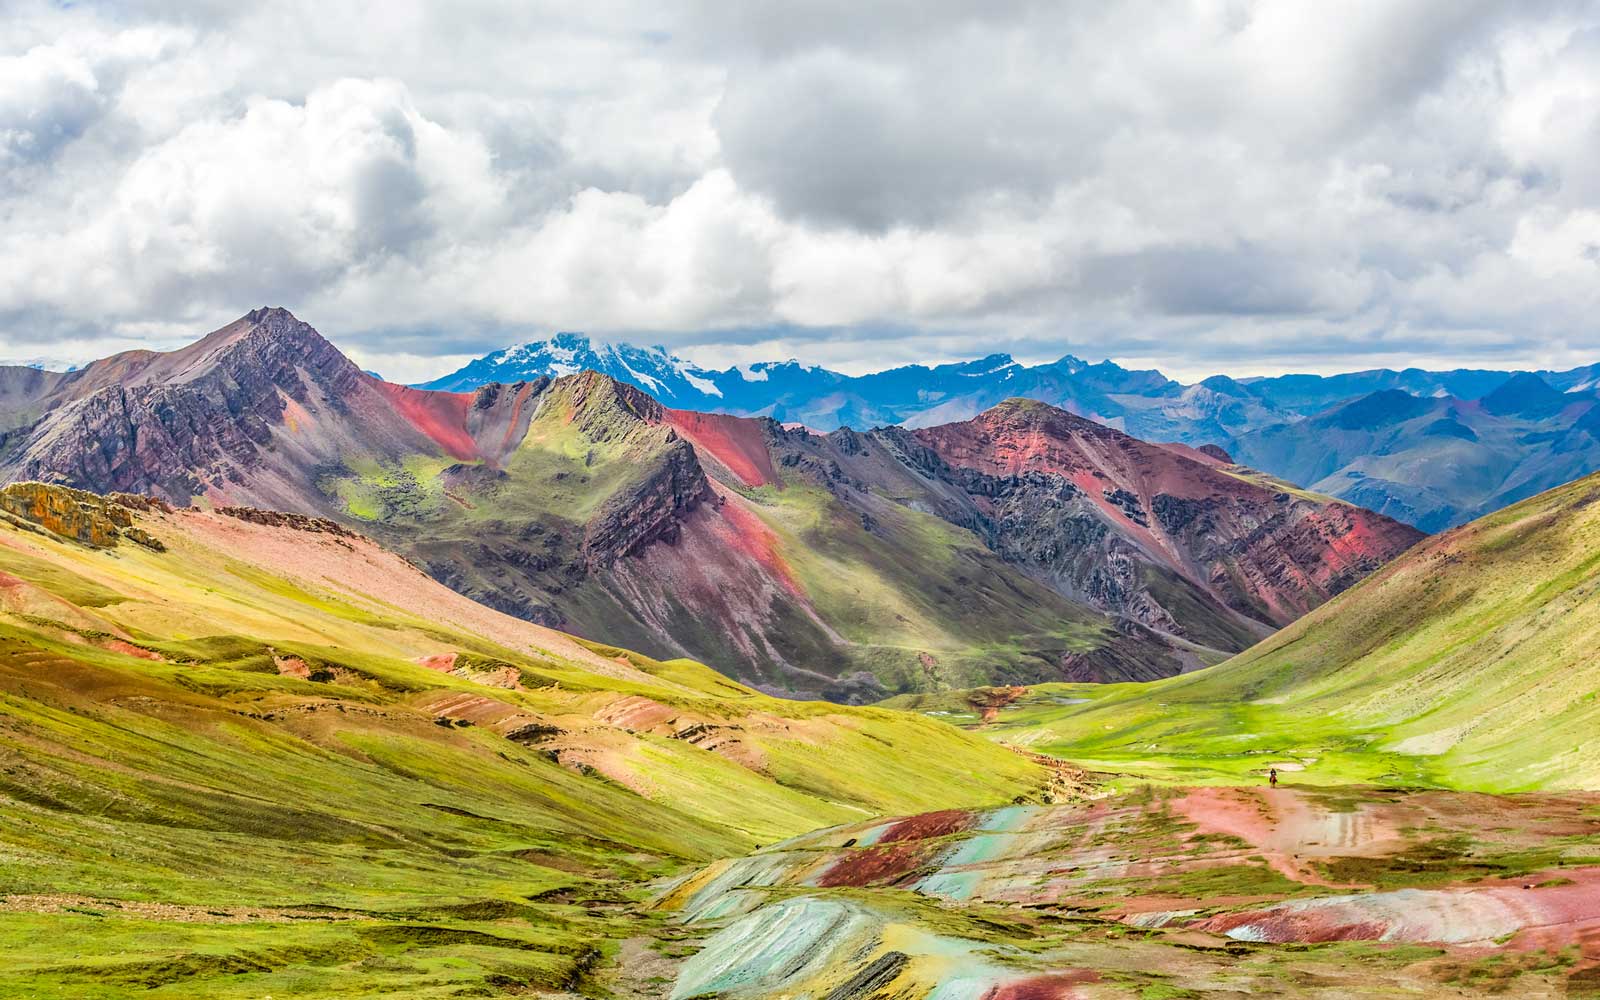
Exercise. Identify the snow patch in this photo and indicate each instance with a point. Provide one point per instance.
(649, 382)
(1004, 361)
(704, 385)
(991, 371)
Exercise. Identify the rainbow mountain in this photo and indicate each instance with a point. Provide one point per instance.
(1021, 545)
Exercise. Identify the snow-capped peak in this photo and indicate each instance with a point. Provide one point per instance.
(665, 376)
(990, 365)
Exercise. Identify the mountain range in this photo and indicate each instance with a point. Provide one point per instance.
(1437, 461)
(1428, 473)
(1023, 544)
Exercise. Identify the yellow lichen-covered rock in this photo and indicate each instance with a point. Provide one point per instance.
(143, 537)
(75, 514)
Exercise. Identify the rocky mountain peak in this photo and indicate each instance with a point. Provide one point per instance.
(1017, 408)
(987, 365)
(595, 395)
(1018, 413)
(275, 339)
(271, 314)
(178, 423)
(278, 325)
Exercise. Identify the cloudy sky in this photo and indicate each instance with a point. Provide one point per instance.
(1209, 186)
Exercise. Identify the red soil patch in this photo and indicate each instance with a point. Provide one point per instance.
(1552, 917)
(505, 676)
(1352, 535)
(739, 443)
(1055, 986)
(742, 531)
(928, 826)
(442, 662)
(442, 416)
(900, 851)
(292, 666)
(1288, 829)
(478, 710)
(506, 442)
(876, 865)
(636, 713)
(129, 649)
(1310, 927)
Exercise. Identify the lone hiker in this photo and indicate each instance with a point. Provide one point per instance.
(1272, 777)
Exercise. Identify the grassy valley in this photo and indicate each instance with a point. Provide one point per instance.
(271, 759)
(1463, 664)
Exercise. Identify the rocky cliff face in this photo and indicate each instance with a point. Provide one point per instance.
(653, 510)
(1151, 533)
(294, 522)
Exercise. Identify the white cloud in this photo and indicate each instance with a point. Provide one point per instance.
(1215, 185)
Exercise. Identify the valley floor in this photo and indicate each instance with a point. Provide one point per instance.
(1152, 891)
(1162, 892)
(1129, 890)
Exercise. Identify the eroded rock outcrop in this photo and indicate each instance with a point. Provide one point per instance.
(651, 511)
(76, 514)
(282, 519)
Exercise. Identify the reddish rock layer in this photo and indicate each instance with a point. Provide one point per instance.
(1268, 554)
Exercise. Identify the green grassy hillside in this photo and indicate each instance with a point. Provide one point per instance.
(1468, 662)
(270, 758)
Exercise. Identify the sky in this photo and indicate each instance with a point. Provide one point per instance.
(1237, 187)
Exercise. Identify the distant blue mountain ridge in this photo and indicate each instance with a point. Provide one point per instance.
(1144, 403)
(1432, 448)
